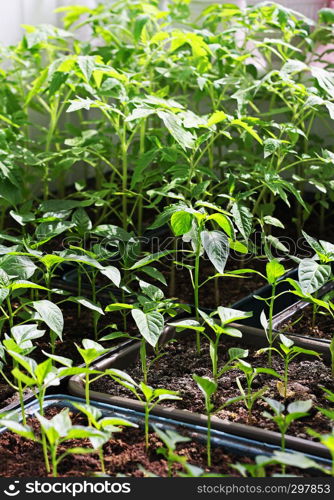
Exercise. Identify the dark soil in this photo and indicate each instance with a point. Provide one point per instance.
(174, 371)
(125, 454)
(301, 323)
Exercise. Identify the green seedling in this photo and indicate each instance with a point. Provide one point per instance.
(288, 352)
(147, 395)
(284, 416)
(208, 388)
(217, 330)
(249, 397)
(60, 429)
(171, 439)
(106, 426)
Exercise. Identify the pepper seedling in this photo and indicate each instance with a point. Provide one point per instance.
(284, 416)
(171, 439)
(248, 396)
(288, 352)
(208, 388)
(223, 327)
(149, 396)
(107, 426)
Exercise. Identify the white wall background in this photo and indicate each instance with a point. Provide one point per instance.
(14, 13)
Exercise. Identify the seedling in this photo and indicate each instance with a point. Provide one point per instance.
(208, 388)
(171, 439)
(60, 429)
(223, 327)
(288, 352)
(190, 223)
(106, 426)
(274, 273)
(90, 352)
(278, 458)
(147, 395)
(248, 396)
(284, 416)
(148, 313)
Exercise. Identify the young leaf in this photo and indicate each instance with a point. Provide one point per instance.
(149, 324)
(181, 222)
(216, 246)
(274, 271)
(312, 275)
(243, 219)
(51, 315)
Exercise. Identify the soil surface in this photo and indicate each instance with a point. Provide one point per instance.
(124, 454)
(302, 321)
(174, 371)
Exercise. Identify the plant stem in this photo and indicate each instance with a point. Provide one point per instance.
(10, 313)
(143, 359)
(79, 290)
(147, 414)
(270, 326)
(286, 373)
(140, 201)
(44, 445)
(331, 348)
(101, 455)
(124, 181)
(54, 461)
(208, 445)
(196, 289)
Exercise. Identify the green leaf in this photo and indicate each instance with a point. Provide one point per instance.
(216, 246)
(228, 315)
(150, 258)
(149, 324)
(118, 306)
(20, 429)
(295, 460)
(275, 405)
(216, 117)
(237, 353)
(139, 25)
(248, 128)
(312, 275)
(86, 303)
(286, 341)
(174, 126)
(154, 273)
(243, 219)
(181, 222)
(86, 65)
(48, 230)
(326, 15)
(113, 274)
(51, 315)
(207, 386)
(224, 222)
(186, 324)
(300, 406)
(81, 220)
(272, 221)
(274, 271)
(152, 291)
(18, 266)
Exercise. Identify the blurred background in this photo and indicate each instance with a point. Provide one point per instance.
(14, 13)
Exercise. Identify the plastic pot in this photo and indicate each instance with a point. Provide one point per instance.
(287, 313)
(231, 441)
(124, 358)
